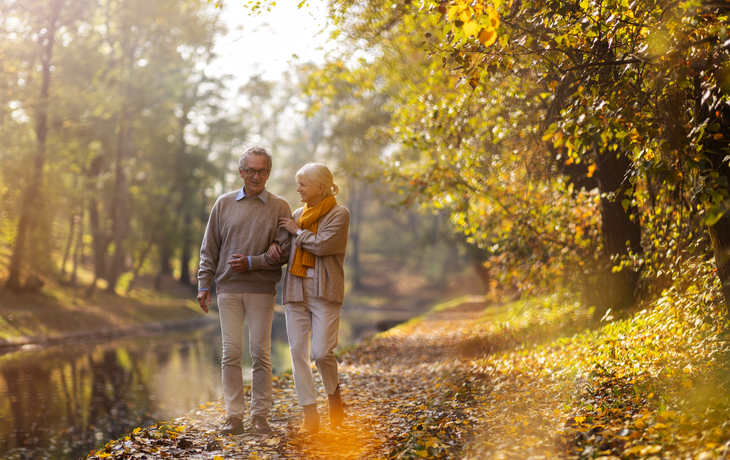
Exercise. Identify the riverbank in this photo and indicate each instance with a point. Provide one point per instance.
(54, 315)
(525, 380)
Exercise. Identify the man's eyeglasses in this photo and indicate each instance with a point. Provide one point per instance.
(252, 172)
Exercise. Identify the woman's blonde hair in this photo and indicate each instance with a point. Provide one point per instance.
(318, 174)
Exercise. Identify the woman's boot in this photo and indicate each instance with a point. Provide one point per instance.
(337, 413)
(311, 419)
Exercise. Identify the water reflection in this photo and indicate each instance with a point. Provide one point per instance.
(61, 402)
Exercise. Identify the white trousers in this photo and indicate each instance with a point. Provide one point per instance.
(316, 320)
(233, 310)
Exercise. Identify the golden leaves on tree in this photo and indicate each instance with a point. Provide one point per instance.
(475, 19)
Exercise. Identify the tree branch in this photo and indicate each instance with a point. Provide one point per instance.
(604, 63)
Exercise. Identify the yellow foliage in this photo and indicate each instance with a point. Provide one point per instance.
(487, 37)
(453, 11)
(470, 28)
(493, 17)
(643, 450)
(465, 14)
(591, 170)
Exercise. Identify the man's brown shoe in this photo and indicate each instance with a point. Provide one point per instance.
(260, 425)
(233, 425)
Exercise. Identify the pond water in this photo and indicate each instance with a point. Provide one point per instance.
(60, 402)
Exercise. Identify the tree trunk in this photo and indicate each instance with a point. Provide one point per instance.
(621, 232)
(138, 267)
(98, 244)
(120, 208)
(183, 180)
(163, 246)
(77, 253)
(30, 197)
(186, 252)
(124, 147)
(715, 151)
(355, 207)
(720, 238)
(69, 242)
(99, 239)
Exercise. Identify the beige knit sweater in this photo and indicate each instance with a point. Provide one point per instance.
(328, 246)
(245, 227)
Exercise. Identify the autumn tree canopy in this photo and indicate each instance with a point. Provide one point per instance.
(580, 143)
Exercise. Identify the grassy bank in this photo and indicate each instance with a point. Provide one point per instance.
(55, 311)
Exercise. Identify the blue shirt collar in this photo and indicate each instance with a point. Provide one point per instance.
(263, 196)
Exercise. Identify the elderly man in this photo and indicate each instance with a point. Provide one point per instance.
(241, 227)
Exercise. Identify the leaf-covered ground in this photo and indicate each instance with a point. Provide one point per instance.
(526, 380)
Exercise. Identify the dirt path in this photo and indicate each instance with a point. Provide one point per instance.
(412, 392)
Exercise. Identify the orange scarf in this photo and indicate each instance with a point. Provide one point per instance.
(308, 221)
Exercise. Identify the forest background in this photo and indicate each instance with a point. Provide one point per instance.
(551, 145)
(117, 138)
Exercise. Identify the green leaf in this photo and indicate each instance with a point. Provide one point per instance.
(549, 132)
(714, 214)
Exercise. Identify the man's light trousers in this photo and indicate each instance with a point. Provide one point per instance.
(319, 320)
(233, 311)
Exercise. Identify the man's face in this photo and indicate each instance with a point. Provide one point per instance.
(255, 182)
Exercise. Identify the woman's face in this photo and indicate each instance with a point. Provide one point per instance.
(311, 194)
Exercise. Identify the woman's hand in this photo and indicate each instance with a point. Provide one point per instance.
(289, 224)
(274, 252)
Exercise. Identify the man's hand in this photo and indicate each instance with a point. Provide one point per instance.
(239, 263)
(274, 252)
(204, 299)
(289, 224)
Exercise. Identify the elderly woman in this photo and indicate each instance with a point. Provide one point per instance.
(314, 289)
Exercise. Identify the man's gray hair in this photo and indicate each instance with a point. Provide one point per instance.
(254, 151)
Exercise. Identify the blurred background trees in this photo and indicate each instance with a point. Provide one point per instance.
(100, 102)
(117, 138)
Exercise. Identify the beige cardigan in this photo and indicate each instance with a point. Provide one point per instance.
(328, 246)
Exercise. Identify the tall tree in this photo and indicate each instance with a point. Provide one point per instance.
(46, 40)
(101, 83)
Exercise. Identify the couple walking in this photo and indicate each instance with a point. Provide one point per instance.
(251, 234)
